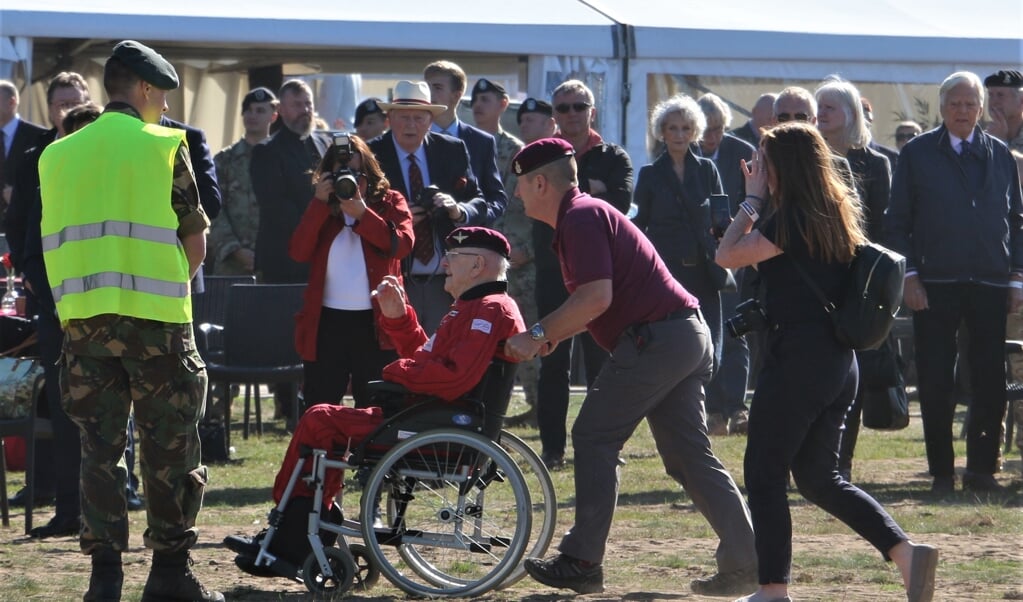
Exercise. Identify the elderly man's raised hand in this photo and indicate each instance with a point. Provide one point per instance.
(391, 297)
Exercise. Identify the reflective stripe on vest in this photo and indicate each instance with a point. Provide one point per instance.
(110, 228)
(127, 282)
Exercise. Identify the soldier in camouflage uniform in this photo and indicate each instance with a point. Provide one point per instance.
(489, 102)
(233, 236)
(129, 341)
(1005, 105)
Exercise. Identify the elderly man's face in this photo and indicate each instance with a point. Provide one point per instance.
(296, 111)
(961, 110)
(409, 127)
(8, 107)
(573, 113)
(712, 136)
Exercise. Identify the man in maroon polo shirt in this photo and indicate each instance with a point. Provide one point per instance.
(661, 356)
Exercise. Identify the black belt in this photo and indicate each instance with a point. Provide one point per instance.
(679, 314)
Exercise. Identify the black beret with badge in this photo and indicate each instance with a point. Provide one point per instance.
(485, 85)
(1006, 78)
(259, 94)
(147, 64)
(478, 238)
(539, 153)
(532, 105)
(366, 108)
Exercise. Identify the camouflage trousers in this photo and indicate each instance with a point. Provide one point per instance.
(1014, 330)
(522, 288)
(169, 394)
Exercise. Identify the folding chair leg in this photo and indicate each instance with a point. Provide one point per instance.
(259, 414)
(5, 511)
(245, 424)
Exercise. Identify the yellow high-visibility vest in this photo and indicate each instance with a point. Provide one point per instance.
(110, 240)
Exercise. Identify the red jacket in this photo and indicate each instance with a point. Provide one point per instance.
(455, 359)
(386, 233)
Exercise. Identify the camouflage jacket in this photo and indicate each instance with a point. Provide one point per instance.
(1016, 143)
(238, 222)
(513, 224)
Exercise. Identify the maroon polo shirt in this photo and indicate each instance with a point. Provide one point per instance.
(594, 241)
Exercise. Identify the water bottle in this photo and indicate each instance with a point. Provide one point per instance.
(9, 302)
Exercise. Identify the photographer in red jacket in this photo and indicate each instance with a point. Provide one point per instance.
(355, 231)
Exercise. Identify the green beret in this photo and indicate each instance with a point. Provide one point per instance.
(147, 64)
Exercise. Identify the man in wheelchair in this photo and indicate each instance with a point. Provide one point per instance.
(447, 365)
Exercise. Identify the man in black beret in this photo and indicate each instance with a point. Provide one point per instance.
(370, 119)
(1005, 105)
(536, 120)
(142, 334)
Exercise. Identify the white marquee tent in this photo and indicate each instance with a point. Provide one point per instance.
(632, 53)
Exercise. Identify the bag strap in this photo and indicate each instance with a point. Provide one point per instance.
(30, 340)
(828, 305)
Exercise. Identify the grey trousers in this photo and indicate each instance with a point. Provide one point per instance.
(427, 296)
(658, 375)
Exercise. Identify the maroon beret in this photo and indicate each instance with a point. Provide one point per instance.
(540, 153)
(479, 238)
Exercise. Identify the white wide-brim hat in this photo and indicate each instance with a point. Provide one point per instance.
(412, 95)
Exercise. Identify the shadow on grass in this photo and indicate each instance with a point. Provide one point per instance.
(238, 496)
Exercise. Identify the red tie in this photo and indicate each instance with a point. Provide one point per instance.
(422, 249)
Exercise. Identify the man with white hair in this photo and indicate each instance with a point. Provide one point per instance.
(433, 172)
(957, 216)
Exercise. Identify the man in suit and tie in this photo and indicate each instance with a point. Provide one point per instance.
(281, 169)
(16, 137)
(432, 171)
(447, 83)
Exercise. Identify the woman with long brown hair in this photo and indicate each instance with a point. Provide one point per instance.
(813, 220)
(351, 244)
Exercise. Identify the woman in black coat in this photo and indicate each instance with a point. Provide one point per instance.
(673, 206)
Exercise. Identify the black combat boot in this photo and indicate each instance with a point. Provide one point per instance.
(107, 576)
(171, 580)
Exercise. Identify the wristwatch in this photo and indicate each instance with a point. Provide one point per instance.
(536, 332)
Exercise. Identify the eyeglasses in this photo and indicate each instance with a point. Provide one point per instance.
(449, 254)
(578, 107)
(905, 136)
(783, 117)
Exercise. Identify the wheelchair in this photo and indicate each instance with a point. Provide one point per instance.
(450, 504)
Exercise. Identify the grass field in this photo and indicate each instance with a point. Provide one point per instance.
(658, 544)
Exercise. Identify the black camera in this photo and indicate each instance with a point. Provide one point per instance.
(749, 317)
(346, 181)
(425, 199)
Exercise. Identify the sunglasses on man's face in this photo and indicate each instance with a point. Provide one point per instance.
(578, 107)
(783, 117)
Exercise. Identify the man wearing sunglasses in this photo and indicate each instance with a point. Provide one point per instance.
(605, 172)
(795, 104)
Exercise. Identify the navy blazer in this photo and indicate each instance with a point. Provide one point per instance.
(26, 135)
(203, 169)
(447, 162)
(483, 161)
(24, 217)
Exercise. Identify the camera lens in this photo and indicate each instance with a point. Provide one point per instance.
(346, 186)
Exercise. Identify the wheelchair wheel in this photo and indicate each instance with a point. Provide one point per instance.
(342, 567)
(542, 495)
(366, 573)
(458, 514)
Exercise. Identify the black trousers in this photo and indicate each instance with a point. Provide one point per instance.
(346, 348)
(983, 309)
(553, 383)
(60, 472)
(795, 423)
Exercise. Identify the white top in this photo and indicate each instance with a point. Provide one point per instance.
(347, 284)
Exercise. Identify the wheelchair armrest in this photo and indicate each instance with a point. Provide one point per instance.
(385, 386)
